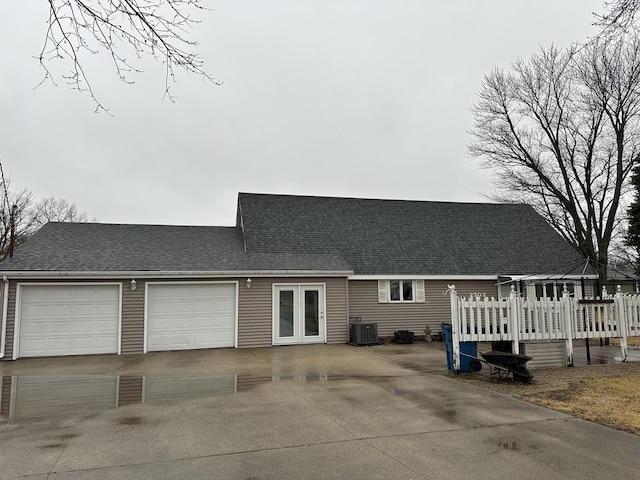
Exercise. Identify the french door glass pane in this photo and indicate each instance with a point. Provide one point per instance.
(286, 313)
(311, 313)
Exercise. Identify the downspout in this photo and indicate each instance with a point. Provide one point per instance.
(5, 307)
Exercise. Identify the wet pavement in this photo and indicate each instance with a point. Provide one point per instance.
(318, 411)
(602, 355)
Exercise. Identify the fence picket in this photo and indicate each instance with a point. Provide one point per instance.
(479, 318)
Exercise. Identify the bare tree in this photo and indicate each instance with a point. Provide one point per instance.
(121, 29)
(562, 133)
(25, 216)
(16, 216)
(621, 17)
(52, 209)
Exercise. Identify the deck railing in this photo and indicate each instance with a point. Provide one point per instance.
(516, 319)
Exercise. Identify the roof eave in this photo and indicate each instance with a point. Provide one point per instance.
(423, 277)
(540, 277)
(40, 274)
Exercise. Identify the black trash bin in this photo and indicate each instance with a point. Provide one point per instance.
(502, 346)
(468, 351)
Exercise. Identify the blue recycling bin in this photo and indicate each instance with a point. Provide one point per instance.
(468, 351)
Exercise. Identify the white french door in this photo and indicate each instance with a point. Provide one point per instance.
(298, 314)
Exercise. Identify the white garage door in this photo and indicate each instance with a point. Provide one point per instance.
(189, 316)
(68, 319)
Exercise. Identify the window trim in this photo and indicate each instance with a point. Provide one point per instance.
(542, 286)
(401, 291)
(417, 291)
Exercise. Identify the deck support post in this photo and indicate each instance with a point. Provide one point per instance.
(567, 315)
(455, 326)
(621, 313)
(515, 320)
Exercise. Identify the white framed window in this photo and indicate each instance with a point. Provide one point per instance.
(552, 289)
(401, 291)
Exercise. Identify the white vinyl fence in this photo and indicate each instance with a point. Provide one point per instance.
(515, 319)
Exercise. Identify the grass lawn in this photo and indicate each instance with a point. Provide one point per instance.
(613, 400)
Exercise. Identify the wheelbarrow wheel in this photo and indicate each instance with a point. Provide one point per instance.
(522, 375)
(475, 366)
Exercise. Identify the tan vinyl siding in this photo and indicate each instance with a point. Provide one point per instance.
(337, 310)
(363, 302)
(11, 316)
(544, 355)
(132, 318)
(255, 310)
(254, 313)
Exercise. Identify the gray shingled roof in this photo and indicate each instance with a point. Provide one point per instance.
(95, 247)
(398, 237)
(322, 234)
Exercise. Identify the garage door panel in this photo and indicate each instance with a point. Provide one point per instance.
(34, 328)
(59, 327)
(35, 310)
(159, 339)
(203, 307)
(202, 322)
(58, 310)
(104, 327)
(68, 320)
(34, 345)
(180, 306)
(191, 316)
(87, 310)
(57, 345)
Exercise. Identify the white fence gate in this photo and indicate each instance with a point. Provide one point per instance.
(516, 319)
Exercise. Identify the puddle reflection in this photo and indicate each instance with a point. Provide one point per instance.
(47, 396)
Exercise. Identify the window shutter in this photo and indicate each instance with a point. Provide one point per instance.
(383, 291)
(420, 294)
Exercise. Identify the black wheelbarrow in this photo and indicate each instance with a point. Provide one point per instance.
(504, 364)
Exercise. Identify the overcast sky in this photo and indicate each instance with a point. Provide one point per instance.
(341, 98)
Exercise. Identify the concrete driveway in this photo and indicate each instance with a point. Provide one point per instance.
(307, 412)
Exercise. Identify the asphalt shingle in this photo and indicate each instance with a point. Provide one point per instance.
(400, 237)
(323, 234)
(95, 247)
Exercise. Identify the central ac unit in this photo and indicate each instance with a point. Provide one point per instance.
(364, 333)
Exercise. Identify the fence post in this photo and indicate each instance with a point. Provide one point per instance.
(516, 316)
(567, 314)
(621, 313)
(455, 325)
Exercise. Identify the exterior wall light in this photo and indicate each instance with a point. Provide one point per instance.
(133, 284)
(248, 284)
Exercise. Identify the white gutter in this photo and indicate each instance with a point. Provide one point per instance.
(5, 307)
(177, 274)
(423, 277)
(470, 277)
(515, 278)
